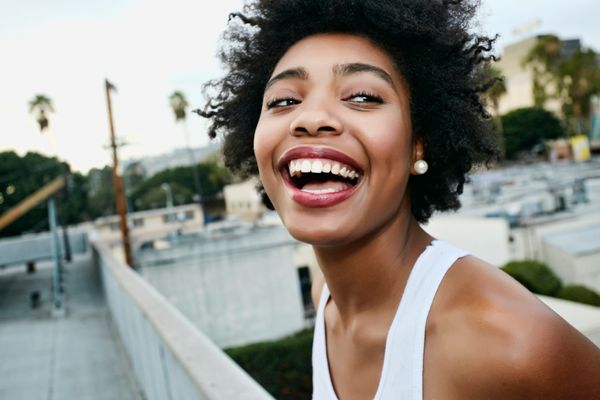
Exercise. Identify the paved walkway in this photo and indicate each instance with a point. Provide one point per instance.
(78, 356)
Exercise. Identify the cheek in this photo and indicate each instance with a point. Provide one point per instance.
(389, 141)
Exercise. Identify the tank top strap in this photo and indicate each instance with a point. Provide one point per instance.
(402, 373)
(322, 386)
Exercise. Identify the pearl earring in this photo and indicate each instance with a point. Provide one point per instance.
(420, 167)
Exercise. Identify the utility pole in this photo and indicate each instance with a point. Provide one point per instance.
(118, 182)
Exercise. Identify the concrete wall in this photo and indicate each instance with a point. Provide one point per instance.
(171, 358)
(238, 288)
(486, 238)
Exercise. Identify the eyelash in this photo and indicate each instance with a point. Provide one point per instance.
(370, 97)
(290, 101)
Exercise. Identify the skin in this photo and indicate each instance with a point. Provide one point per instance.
(486, 336)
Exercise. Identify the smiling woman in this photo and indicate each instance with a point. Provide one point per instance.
(361, 119)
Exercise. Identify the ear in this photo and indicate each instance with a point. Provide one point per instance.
(418, 153)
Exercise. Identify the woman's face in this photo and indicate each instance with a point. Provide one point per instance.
(333, 142)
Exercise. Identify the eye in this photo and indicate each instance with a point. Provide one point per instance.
(282, 102)
(364, 98)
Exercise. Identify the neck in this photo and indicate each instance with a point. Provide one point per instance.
(371, 274)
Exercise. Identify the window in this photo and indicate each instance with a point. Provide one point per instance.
(138, 222)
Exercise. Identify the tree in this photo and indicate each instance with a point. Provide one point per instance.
(179, 105)
(525, 128)
(40, 106)
(497, 90)
(20, 177)
(213, 176)
(572, 79)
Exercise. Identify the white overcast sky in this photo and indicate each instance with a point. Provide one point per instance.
(65, 48)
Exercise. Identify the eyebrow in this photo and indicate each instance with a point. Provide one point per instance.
(338, 69)
(294, 73)
(356, 68)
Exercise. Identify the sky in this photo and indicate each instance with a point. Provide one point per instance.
(65, 49)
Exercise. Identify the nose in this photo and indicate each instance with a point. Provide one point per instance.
(315, 122)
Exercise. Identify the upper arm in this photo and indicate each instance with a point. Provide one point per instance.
(317, 287)
(535, 356)
(498, 341)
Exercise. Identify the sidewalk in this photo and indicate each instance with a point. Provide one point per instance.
(78, 356)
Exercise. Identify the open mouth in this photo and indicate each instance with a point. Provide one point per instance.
(321, 176)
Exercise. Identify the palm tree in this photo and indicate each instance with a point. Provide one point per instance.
(40, 106)
(497, 90)
(179, 105)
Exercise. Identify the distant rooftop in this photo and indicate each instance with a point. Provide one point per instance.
(578, 242)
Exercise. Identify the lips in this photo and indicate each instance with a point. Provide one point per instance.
(319, 176)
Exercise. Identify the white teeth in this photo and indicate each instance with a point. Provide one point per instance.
(305, 166)
(319, 191)
(316, 167)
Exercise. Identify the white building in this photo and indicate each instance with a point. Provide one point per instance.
(243, 201)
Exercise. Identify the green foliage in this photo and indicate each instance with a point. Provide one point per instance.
(572, 80)
(580, 294)
(526, 127)
(20, 177)
(282, 367)
(212, 176)
(100, 193)
(535, 276)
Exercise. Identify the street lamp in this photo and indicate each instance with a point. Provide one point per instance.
(167, 188)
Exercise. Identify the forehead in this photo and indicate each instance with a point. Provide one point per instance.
(323, 51)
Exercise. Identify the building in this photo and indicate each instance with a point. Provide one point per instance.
(152, 224)
(243, 201)
(149, 166)
(519, 78)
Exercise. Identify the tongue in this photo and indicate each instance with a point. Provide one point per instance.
(330, 186)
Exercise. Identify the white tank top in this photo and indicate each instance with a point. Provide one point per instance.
(402, 372)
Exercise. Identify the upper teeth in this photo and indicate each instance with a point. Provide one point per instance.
(320, 165)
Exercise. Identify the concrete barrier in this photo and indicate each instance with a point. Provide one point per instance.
(171, 358)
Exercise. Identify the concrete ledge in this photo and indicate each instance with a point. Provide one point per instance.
(210, 370)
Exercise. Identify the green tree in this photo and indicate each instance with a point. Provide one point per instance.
(40, 106)
(100, 193)
(497, 90)
(20, 177)
(213, 177)
(526, 127)
(179, 105)
(572, 80)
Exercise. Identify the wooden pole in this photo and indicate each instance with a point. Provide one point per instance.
(118, 182)
(31, 201)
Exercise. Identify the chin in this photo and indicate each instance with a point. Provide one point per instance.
(318, 234)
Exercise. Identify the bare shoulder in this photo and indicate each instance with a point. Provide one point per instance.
(317, 287)
(494, 339)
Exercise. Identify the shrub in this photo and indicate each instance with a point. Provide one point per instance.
(535, 276)
(282, 367)
(580, 294)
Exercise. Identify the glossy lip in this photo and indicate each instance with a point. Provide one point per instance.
(317, 200)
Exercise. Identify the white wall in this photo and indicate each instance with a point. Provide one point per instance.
(236, 289)
(486, 238)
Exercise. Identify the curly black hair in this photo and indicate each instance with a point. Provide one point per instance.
(443, 64)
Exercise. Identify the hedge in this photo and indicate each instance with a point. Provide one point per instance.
(282, 367)
(535, 276)
(580, 294)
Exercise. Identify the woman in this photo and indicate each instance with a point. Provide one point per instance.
(361, 119)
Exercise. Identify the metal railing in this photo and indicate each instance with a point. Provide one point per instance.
(171, 358)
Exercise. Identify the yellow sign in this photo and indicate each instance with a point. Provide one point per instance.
(581, 147)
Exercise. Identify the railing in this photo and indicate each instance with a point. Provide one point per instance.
(171, 358)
